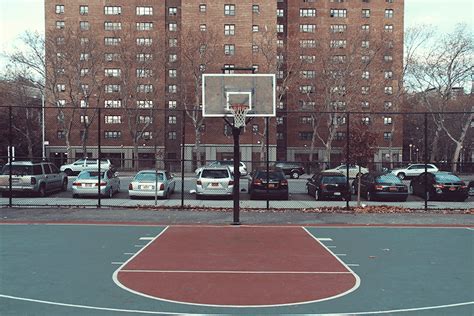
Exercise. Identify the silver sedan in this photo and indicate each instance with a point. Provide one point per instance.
(150, 183)
(87, 183)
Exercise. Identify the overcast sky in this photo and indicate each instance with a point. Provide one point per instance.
(17, 16)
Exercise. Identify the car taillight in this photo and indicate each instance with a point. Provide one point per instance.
(162, 187)
(257, 182)
(231, 182)
(102, 183)
(33, 180)
(463, 186)
(76, 184)
(284, 182)
(438, 186)
(130, 186)
(379, 187)
(198, 182)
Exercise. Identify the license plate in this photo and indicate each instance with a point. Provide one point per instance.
(88, 185)
(452, 189)
(393, 189)
(146, 187)
(215, 184)
(337, 193)
(271, 186)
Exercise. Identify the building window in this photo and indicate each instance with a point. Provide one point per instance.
(59, 9)
(308, 59)
(113, 119)
(144, 73)
(172, 88)
(60, 25)
(365, 104)
(280, 28)
(387, 120)
(255, 48)
(85, 119)
(340, 135)
(387, 105)
(305, 135)
(365, 44)
(280, 136)
(387, 57)
(172, 135)
(254, 28)
(84, 25)
(388, 13)
(306, 120)
(338, 43)
(113, 103)
(172, 11)
(84, 40)
(112, 134)
(112, 41)
(256, 8)
(172, 58)
(173, 42)
(307, 12)
(172, 26)
(388, 28)
(144, 10)
(146, 135)
(365, 75)
(84, 56)
(61, 103)
(144, 104)
(366, 13)
(229, 29)
(144, 41)
(144, 57)
(388, 74)
(306, 89)
(338, 13)
(308, 43)
(84, 10)
(388, 90)
(365, 90)
(84, 72)
(112, 10)
(229, 68)
(279, 120)
(172, 104)
(172, 119)
(338, 28)
(365, 28)
(387, 135)
(172, 73)
(144, 26)
(307, 28)
(338, 59)
(280, 13)
(145, 88)
(229, 9)
(145, 119)
(308, 74)
(229, 49)
(202, 8)
(61, 134)
(112, 72)
(112, 26)
(366, 120)
(202, 27)
(110, 88)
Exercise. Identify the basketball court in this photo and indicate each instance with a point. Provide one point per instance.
(120, 268)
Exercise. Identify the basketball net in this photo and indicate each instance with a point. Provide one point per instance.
(240, 113)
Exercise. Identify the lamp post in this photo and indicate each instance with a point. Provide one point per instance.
(411, 147)
(43, 152)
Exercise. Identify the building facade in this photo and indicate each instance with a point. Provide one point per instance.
(140, 61)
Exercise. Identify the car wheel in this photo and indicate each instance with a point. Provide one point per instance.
(42, 191)
(295, 175)
(68, 172)
(401, 175)
(64, 186)
(410, 190)
(316, 195)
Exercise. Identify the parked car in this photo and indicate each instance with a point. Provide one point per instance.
(85, 164)
(292, 169)
(276, 186)
(413, 170)
(353, 170)
(471, 188)
(228, 163)
(148, 183)
(37, 178)
(325, 185)
(380, 186)
(439, 185)
(87, 183)
(214, 181)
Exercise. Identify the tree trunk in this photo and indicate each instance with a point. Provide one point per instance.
(434, 144)
(136, 165)
(197, 147)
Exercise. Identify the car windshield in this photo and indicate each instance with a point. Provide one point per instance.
(215, 174)
(273, 175)
(90, 175)
(149, 176)
(447, 177)
(334, 179)
(227, 163)
(22, 170)
(388, 179)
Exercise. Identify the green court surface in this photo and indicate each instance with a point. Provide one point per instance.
(68, 270)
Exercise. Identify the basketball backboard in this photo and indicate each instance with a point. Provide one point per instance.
(220, 91)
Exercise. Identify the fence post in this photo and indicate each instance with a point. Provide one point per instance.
(10, 155)
(183, 140)
(98, 157)
(426, 161)
(348, 194)
(267, 140)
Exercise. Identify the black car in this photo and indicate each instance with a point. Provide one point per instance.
(328, 185)
(440, 185)
(380, 186)
(276, 187)
(292, 169)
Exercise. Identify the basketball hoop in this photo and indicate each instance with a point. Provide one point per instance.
(240, 113)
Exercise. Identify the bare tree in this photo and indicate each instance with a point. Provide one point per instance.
(198, 52)
(437, 73)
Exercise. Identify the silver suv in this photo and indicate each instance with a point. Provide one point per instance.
(39, 178)
(86, 164)
(214, 181)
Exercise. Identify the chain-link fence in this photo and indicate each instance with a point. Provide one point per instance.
(409, 160)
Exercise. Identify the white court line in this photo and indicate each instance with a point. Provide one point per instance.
(331, 246)
(324, 239)
(139, 246)
(115, 262)
(352, 264)
(147, 238)
(237, 272)
(174, 313)
(129, 253)
(341, 254)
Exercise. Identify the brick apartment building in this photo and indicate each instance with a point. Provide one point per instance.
(131, 58)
